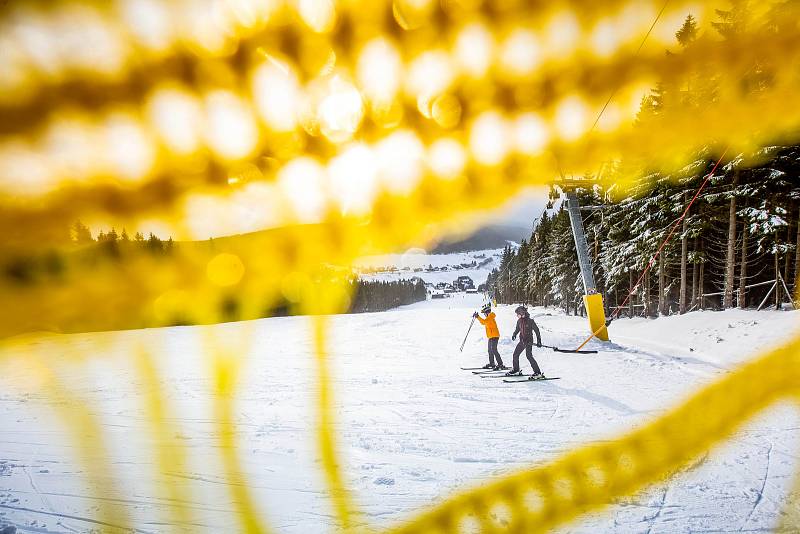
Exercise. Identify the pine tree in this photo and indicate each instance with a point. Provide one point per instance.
(154, 244)
(688, 32)
(730, 261)
(80, 233)
(732, 21)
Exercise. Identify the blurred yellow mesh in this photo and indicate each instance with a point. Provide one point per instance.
(85, 431)
(311, 133)
(169, 453)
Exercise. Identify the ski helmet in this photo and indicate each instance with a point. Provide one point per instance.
(486, 309)
(522, 310)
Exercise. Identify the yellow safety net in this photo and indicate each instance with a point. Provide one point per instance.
(312, 132)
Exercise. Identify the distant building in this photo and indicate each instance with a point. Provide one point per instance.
(462, 283)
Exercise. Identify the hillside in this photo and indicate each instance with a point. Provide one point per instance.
(432, 268)
(488, 237)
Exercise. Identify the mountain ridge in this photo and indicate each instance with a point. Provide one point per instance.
(488, 237)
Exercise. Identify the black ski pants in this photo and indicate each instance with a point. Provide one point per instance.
(528, 348)
(493, 353)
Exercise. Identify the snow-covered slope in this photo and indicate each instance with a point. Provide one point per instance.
(412, 427)
(391, 267)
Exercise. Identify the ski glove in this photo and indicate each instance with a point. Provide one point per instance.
(514, 337)
(475, 315)
(539, 345)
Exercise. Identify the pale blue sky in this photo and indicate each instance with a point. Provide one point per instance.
(524, 209)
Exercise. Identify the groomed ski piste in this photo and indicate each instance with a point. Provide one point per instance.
(413, 428)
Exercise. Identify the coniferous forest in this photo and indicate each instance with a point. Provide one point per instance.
(740, 235)
(738, 246)
(373, 296)
(86, 253)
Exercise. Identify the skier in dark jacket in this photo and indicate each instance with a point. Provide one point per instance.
(526, 327)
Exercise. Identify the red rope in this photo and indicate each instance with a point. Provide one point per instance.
(663, 244)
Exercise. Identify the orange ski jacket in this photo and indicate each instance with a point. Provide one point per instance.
(491, 325)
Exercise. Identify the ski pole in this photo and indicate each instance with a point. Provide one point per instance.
(465, 337)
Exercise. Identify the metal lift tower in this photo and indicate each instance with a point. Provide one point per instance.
(592, 300)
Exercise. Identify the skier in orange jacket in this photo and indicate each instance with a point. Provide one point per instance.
(493, 333)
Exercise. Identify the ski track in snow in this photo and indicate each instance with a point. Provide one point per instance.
(760, 494)
(33, 527)
(412, 428)
(660, 507)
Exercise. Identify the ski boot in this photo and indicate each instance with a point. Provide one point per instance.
(514, 373)
(500, 367)
(488, 366)
(537, 376)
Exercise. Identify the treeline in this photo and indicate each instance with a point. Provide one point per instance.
(740, 237)
(738, 244)
(111, 242)
(367, 296)
(83, 254)
(374, 296)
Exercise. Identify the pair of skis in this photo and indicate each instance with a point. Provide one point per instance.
(523, 378)
(510, 379)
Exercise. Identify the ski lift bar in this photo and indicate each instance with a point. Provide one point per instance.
(571, 184)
